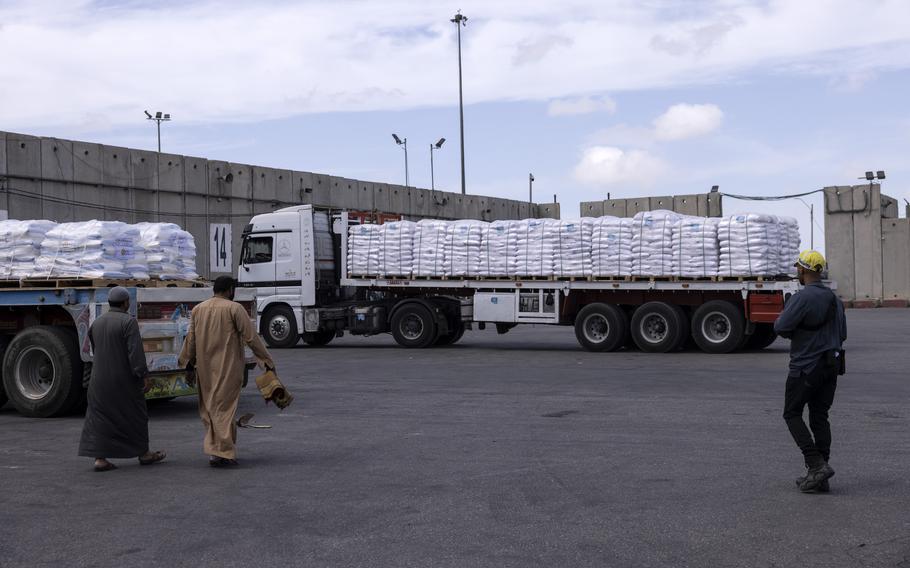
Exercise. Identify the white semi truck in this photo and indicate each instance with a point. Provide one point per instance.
(296, 259)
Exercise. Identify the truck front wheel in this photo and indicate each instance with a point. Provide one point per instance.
(601, 327)
(42, 371)
(657, 327)
(279, 327)
(718, 326)
(413, 325)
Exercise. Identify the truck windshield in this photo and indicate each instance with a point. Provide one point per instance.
(257, 250)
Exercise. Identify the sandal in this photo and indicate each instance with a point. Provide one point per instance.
(156, 457)
(108, 466)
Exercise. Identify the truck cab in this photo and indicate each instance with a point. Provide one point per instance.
(288, 258)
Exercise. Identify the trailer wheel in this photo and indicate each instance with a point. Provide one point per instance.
(4, 343)
(455, 333)
(718, 326)
(657, 327)
(279, 327)
(685, 334)
(413, 325)
(318, 338)
(601, 327)
(762, 337)
(42, 371)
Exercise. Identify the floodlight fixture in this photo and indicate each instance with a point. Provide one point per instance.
(158, 118)
(880, 174)
(440, 143)
(404, 144)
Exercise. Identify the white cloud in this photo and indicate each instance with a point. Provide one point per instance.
(687, 121)
(66, 63)
(581, 105)
(609, 165)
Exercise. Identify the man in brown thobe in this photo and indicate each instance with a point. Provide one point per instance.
(213, 351)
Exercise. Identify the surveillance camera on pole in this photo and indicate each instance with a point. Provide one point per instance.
(404, 144)
(158, 118)
(435, 146)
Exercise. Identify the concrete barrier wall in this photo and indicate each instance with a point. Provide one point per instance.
(702, 205)
(64, 180)
(867, 245)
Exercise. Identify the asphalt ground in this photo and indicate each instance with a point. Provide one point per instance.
(517, 450)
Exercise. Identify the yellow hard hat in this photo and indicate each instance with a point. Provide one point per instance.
(811, 260)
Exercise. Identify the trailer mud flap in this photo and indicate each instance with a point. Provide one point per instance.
(764, 308)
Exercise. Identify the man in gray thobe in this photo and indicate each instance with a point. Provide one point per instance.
(116, 422)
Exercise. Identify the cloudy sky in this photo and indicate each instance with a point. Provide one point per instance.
(631, 98)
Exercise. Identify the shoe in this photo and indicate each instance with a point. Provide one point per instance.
(815, 476)
(222, 462)
(823, 487)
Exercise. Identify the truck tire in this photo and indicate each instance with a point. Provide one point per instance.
(279, 327)
(318, 338)
(413, 325)
(762, 337)
(42, 371)
(657, 327)
(685, 334)
(601, 327)
(4, 343)
(718, 326)
(456, 331)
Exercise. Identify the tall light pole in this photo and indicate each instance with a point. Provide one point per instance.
(404, 144)
(159, 118)
(435, 146)
(459, 20)
(531, 189)
(811, 207)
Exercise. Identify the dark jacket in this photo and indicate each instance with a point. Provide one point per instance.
(814, 321)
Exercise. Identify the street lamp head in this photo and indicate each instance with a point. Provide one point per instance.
(870, 176)
(397, 139)
(440, 143)
(460, 19)
(880, 174)
(148, 114)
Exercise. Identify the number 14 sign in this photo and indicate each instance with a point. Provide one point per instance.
(220, 247)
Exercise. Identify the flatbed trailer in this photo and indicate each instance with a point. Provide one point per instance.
(45, 352)
(296, 258)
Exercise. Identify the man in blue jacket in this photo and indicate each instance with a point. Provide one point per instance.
(813, 319)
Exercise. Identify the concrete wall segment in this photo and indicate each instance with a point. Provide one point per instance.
(896, 259)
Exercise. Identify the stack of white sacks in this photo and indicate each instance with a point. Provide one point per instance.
(750, 245)
(96, 249)
(789, 245)
(92, 249)
(573, 247)
(695, 247)
(397, 252)
(653, 243)
(20, 247)
(365, 250)
(170, 252)
(429, 245)
(611, 246)
(462, 251)
(499, 249)
(536, 247)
